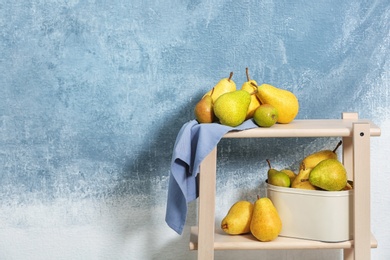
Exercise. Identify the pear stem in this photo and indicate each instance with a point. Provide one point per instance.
(254, 92)
(247, 74)
(230, 76)
(337, 146)
(303, 166)
(253, 84)
(269, 163)
(212, 92)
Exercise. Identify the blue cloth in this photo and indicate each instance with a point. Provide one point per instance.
(193, 143)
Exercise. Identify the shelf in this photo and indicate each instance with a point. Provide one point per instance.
(355, 135)
(223, 241)
(306, 128)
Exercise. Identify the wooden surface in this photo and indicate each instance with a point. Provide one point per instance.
(306, 128)
(223, 241)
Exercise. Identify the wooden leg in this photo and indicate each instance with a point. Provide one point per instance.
(361, 166)
(348, 147)
(206, 217)
(348, 254)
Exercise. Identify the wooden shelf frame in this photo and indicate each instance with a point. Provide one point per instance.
(223, 241)
(355, 134)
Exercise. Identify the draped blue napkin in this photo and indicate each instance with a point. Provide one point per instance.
(193, 143)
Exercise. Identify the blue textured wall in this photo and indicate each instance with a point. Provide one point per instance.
(93, 94)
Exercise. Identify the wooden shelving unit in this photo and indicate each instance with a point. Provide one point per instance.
(355, 133)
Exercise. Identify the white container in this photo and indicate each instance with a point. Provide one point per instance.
(313, 214)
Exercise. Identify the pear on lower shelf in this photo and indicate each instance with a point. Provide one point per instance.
(266, 223)
(329, 174)
(238, 219)
(301, 181)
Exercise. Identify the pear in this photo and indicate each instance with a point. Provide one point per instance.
(265, 115)
(291, 174)
(301, 181)
(223, 86)
(250, 87)
(329, 174)
(204, 111)
(312, 160)
(276, 177)
(348, 186)
(266, 223)
(230, 108)
(283, 100)
(238, 219)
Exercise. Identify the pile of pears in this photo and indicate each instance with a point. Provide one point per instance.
(230, 106)
(261, 219)
(318, 171)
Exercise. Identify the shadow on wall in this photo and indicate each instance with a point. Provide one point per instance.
(140, 195)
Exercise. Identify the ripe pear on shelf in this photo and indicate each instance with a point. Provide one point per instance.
(223, 86)
(266, 223)
(250, 87)
(291, 174)
(310, 161)
(283, 100)
(265, 115)
(277, 178)
(204, 112)
(238, 219)
(348, 186)
(230, 108)
(329, 175)
(301, 181)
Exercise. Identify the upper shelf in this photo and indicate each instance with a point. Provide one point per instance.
(307, 128)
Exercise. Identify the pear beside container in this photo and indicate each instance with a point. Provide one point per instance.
(314, 214)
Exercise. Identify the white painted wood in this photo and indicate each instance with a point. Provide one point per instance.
(223, 241)
(207, 186)
(361, 165)
(356, 135)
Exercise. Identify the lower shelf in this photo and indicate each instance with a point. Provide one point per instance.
(223, 241)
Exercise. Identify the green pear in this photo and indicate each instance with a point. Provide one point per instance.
(329, 174)
(238, 219)
(277, 178)
(251, 86)
(204, 111)
(265, 115)
(266, 223)
(291, 174)
(283, 100)
(230, 108)
(223, 86)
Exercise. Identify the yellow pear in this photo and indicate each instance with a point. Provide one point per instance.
(301, 181)
(266, 223)
(238, 219)
(329, 174)
(310, 161)
(283, 100)
(223, 86)
(250, 87)
(230, 108)
(204, 111)
(349, 186)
